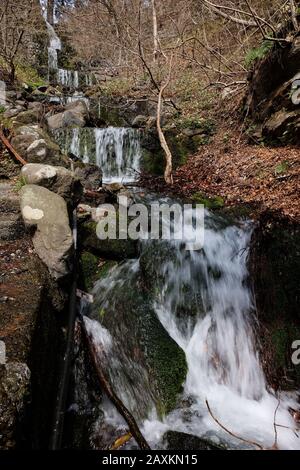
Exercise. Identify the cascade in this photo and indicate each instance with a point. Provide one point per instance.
(116, 150)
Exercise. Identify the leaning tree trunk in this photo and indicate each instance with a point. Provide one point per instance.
(169, 165)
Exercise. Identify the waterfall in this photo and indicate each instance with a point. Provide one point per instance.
(68, 78)
(219, 341)
(116, 151)
(54, 47)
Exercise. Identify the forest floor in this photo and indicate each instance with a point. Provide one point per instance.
(267, 178)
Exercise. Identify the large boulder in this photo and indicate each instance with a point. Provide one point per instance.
(75, 115)
(46, 213)
(272, 89)
(146, 367)
(36, 146)
(275, 269)
(56, 178)
(115, 249)
(31, 116)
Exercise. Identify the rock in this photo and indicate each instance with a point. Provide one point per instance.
(14, 389)
(282, 124)
(36, 146)
(275, 271)
(46, 212)
(114, 187)
(147, 363)
(29, 117)
(12, 112)
(173, 440)
(78, 106)
(36, 105)
(271, 92)
(76, 114)
(89, 175)
(56, 178)
(111, 249)
(140, 121)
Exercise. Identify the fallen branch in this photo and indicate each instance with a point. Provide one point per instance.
(108, 390)
(230, 432)
(11, 149)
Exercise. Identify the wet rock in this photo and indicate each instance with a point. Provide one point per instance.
(173, 440)
(114, 187)
(46, 212)
(36, 146)
(14, 389)
(56, 178)
(89, 175)
(275, 270)
(149, 367)
(109, 248)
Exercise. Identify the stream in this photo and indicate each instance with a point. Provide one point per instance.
(201, 302)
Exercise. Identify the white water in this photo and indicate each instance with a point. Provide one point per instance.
(223, 363)
(68, 78)
(54, 47)
(219, 344)
(116, 150)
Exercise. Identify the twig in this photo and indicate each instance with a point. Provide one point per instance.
(11, 149)
(230, 432)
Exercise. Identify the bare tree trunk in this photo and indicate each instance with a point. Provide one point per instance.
(169, 165)
(155, 32)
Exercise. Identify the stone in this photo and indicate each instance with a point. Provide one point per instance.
(124, 305)
(32, 116)
(56, 178)
(283, 122)
(12, 112)
(90, 175)
(46, 213)
(114, 187)
(109, 248)
(36, 146)
(75, 114)
(139, 121)
(173, 440)
(14, 389)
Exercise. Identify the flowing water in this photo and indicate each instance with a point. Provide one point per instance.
(218, 340)
(116, 150)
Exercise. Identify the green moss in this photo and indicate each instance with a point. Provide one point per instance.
(89, 268)
(216, 202)
(258, 53)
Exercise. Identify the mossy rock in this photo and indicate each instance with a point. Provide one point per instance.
(275, 269)
(174, 440)
(111, 249)
(92, 269)
(147, 362)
